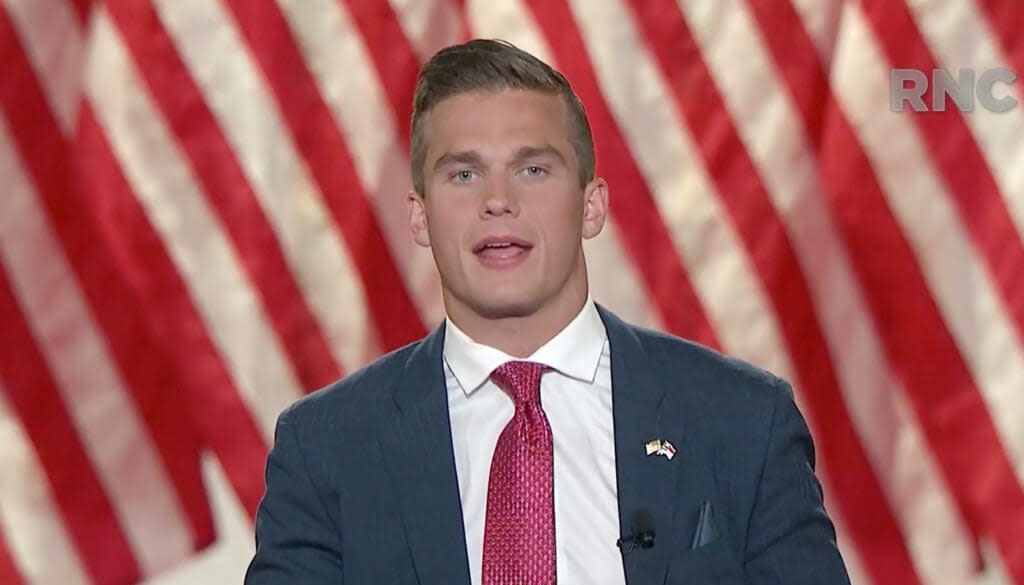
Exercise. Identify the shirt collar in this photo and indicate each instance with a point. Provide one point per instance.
(575, 351)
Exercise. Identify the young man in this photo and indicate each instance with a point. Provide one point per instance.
(534, 436)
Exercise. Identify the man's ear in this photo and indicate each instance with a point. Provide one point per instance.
(418, 219)
(595, 207)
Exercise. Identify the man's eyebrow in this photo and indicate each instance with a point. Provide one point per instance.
(466, 157)
(530, 152)
(472, 157)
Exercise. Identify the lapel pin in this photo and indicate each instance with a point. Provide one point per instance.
(660, 447)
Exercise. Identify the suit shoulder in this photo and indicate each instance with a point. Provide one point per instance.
(710, 370)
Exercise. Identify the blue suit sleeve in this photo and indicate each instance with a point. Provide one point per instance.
(791, 540)
(297, 543)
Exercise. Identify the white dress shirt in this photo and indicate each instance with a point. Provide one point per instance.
(577, 399)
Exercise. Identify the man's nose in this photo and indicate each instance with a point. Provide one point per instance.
(499, 200)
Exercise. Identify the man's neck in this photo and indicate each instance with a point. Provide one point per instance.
(520, 336)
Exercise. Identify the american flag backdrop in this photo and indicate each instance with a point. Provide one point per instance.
(202, 218)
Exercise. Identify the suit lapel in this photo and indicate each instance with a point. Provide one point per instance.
(645, 482)
(417, 448)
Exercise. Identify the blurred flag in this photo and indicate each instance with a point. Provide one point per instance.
(202, 217)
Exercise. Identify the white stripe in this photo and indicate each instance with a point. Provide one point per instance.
(29, 518)
(614, 279)
(331, 43)
(429, 26)
(940, 544)
(995, 570)
(508, 20)
(722, 274)
(95, 396)
(921, 204)
(166, 188)
(959, 37)
(226, 560)
(237, 94)
(765, 119)
(49, 31)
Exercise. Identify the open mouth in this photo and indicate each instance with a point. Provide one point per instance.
(502, 251)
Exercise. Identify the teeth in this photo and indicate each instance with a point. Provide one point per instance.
(499, 245)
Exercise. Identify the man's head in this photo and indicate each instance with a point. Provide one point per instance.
(505, 193)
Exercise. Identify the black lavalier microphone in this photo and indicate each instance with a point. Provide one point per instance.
(641, 529)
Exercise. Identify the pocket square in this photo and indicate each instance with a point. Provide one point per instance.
(707, 526)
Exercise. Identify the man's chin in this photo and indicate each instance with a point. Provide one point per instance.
(505, 309)
(493, 299)
(502, 302)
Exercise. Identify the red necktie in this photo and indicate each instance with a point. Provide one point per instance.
(519, 534)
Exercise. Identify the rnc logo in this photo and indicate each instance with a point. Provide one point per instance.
(910, 86)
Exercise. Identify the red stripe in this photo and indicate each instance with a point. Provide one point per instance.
(797, 62)
(953, 417)
(136, 253)
(872, 524)
(1006, 20)
(9, 573)
(78, 492)
(227, 189)
(968, 177)
(632, 204)
(83, 8)
(45, 151)
(393, 56)
(319, 140)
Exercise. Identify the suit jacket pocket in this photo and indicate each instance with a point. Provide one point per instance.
(711, 564)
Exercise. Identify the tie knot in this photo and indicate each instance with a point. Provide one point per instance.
(521, 379)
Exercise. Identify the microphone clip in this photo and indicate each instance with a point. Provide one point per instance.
(637, 540)
(641, 529)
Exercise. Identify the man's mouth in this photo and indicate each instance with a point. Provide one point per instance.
(501, 250)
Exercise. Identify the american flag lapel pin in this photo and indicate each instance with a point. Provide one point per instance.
(660, 447)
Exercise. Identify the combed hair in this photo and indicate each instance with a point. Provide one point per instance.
(490, 65)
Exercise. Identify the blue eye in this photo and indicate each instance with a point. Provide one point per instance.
(534, 171)
(463, 176)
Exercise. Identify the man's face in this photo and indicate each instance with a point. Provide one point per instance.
(503, 211)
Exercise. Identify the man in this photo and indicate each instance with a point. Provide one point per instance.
(534, 436)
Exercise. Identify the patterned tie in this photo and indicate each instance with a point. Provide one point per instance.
(519, 536)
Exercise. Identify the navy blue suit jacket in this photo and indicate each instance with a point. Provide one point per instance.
(362, 487)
